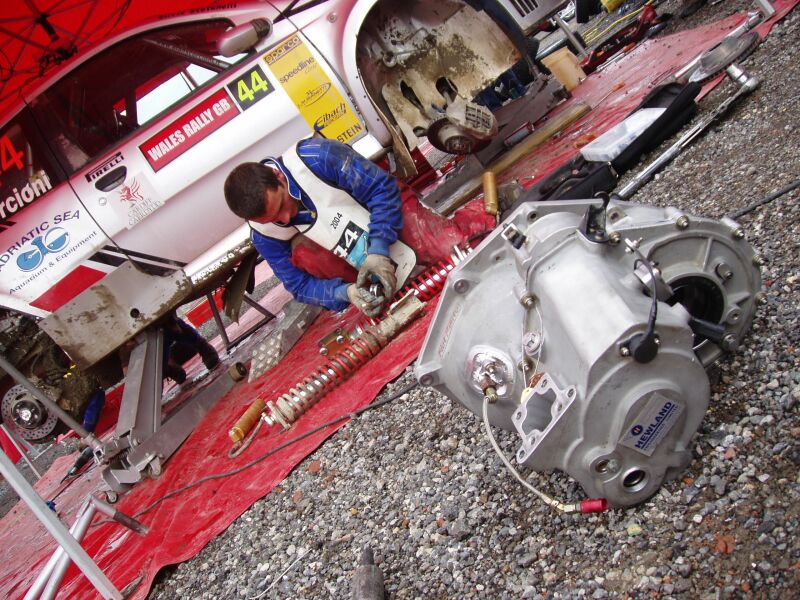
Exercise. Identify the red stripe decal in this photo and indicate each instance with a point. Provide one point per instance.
(67, 288)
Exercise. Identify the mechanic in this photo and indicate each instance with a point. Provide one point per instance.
(348, 205)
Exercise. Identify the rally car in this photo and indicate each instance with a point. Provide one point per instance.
(111, 169)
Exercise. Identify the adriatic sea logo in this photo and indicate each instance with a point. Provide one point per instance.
(54, 240)
(637, 429)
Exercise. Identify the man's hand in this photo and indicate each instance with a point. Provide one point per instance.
(365, 301)
(381, 267)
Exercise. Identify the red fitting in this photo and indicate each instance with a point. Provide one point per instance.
(594, 505)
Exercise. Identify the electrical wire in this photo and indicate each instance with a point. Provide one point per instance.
(541, 495)
(640, 258)
(773, 196)
(269, 453)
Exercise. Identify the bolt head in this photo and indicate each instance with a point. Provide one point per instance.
(738, 234)
(682, 222)
(761, 298)
(758, 261)
(461, 286)
(624, 351)
(729, 342)
(614, 238)
(527, 301)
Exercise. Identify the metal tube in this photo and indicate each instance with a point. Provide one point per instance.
(49, 519)
(576, 43)
(22, 451)
(38, 585)
(60, 568)
(52, 406)
(747, 84)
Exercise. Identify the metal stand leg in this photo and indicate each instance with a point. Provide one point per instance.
(142, 443)
(218, 321)
(576, 43)
(22, 450)
(268, 316)
(49, 519)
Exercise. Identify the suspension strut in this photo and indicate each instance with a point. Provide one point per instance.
(288, 407)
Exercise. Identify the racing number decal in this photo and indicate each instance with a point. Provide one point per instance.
(251, 87)
(352, 245)
(9, 156)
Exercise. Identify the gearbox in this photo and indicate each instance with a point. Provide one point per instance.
(587, 327)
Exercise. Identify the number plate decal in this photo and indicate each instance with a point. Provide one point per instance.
(251, 87)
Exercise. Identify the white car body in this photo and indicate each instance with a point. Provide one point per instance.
(100, 260)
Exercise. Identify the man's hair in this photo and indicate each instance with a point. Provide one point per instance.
(245, 186)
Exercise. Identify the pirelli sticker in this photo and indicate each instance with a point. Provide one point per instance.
(305, 81)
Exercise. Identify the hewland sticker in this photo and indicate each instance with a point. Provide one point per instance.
(651, 424)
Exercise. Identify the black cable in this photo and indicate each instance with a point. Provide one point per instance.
(773, 196)
(269, 453)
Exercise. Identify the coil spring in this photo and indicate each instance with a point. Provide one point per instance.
(424, 286)
(288, 407)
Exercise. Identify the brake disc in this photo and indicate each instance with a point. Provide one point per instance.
(715, 60)
(29, 417)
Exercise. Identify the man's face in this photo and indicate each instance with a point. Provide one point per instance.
(279, 206)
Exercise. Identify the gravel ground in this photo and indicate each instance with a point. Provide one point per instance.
(418, 481)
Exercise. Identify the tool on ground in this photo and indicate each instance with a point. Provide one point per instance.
(84, 457)
(368, 579)
(747, 83)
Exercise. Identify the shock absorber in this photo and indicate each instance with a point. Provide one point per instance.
(288, 407)
(424, 286)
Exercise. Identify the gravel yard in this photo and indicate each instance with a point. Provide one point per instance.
(418, 481)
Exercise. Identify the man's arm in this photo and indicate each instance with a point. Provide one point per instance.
(330, 293)
(370, 185)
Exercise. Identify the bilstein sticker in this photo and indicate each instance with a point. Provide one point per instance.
(305, 81)
(189, 129)
(651, 424)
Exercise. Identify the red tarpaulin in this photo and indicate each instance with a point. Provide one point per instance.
(182, 525)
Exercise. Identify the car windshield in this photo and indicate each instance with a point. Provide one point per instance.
(126, 86)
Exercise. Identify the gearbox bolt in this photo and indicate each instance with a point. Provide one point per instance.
(761, 298)
(729, 342)
(738, 234)
(614, 238)
(491, 395)
(527, 301)
(724, 271)
(682, 222)
(624, 351)
(758, 260)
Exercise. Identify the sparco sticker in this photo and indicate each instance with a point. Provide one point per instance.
(651, 424)
(186, 131)
(305, 81)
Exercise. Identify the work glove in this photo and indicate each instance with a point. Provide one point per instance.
(381, 267)
(364, 300)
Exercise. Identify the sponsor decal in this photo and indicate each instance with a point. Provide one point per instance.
(37, 186)
(104, 168)
(310, 88)
(251, 87)
(652, 424)
(45, 246)
(315, 95)
(134, 200)
(189, 129)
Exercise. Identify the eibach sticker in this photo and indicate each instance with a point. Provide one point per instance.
(189, 129)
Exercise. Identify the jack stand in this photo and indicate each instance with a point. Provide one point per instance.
(56, 528)
(141, 442)
(24, 448)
